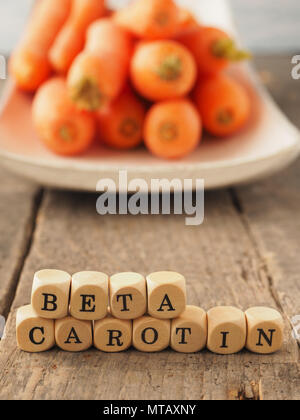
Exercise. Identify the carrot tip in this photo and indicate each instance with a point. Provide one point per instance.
(171, 68)
(168, 131)
(225, 117)
(129, 127)
(66, 133)
(87, 95)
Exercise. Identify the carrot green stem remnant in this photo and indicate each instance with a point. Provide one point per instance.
(227, 48)
(171, 68)
(86, 95)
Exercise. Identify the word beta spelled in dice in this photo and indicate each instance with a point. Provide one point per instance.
(127, 309)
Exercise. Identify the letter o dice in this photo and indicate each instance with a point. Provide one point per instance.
(166, 294)
(50, 293)
(227, 330)
(151, 334)
(265, 330)
(34, 334)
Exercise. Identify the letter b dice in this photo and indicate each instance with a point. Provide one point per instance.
(166, 294)
(50, 293)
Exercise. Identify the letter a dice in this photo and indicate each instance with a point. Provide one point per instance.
(50, 293)
(73, 335)
(265, 330)
(34, 334)
(166, 294)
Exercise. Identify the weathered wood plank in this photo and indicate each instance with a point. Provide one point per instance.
(18, 200)
(221, 267)
(226, 261)
(277, 236)
(269, 210)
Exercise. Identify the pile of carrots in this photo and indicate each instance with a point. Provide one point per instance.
(148, 73)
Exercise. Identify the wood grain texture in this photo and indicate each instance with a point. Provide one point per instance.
(245, 253)
(18, 204)
(17, 210)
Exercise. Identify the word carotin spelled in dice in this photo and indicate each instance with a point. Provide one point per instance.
(113, 314)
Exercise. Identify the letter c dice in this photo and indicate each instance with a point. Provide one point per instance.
(50, 293)
(34, 334)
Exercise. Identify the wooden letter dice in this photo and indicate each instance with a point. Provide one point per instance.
(50, 293)
(265, 330)
(73, 334)
(166, 294)
(227, 330)
(89, 295)
(151, 334)
(34, 334)
(112, 335)
(128, 295)
(189, 331)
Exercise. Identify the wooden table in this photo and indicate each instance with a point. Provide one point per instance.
(246, 253)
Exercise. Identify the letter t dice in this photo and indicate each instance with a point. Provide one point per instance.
(50, 293)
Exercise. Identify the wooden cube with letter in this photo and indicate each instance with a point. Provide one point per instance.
(50, 293)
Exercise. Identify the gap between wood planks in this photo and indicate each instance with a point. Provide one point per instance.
(237, 203)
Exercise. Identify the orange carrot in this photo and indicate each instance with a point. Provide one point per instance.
(187, 23)
(71, 38)
(99, 73)
(172, 129)
(224, 105)
(29, 64)
(213, 49)
(121, 125)
(163, 70)
(61, 126)
(150, 19)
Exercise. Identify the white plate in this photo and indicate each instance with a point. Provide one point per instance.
(269, 142)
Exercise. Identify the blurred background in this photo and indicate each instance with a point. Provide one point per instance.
(266, 26)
